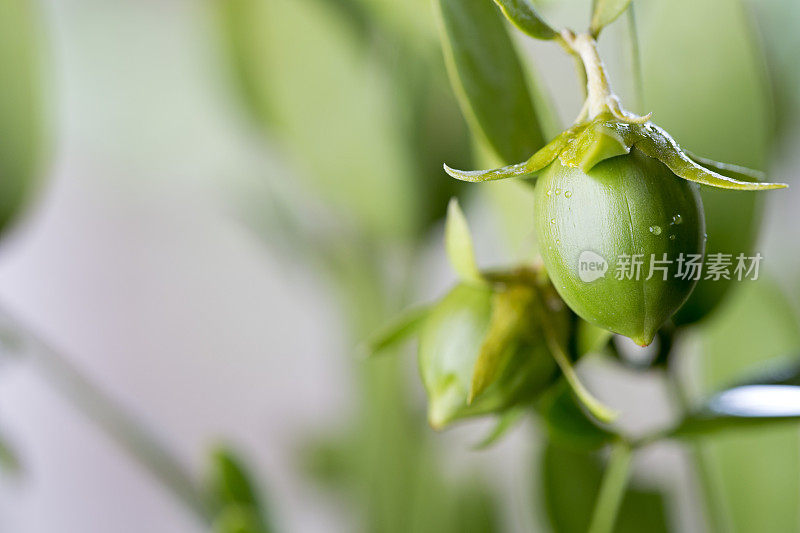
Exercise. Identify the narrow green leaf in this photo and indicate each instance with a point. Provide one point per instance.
(488, 78)
(399, 329)
(238, 519)
(657, 143)
(534, 164)
(595, 407)
(510, 310)
(523, 15)
(22, 133)
(458, 243)
(479, 176)
(606, 12)
(505, 422)
(239, 507)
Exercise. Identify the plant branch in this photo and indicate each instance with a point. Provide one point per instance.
(636, 59)
(612, 489)
(141, 444)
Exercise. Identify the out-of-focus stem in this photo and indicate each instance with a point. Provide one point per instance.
(612, 489)
(111, 417)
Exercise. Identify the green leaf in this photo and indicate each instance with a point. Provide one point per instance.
(657, 143)
(565, 421)
(458, 243)
(399, 329)
(238, 519)
(757, 326)
(538, 161)
(606, 12)
(9, 460)
(571, 482)
(22, 137)
(510, 311)
(505, 422)
(523, 15)
(488, 78)
(235, 494)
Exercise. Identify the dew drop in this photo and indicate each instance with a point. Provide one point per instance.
(552, 221)
(567, 193)
(558, 241)
(677, 219)
(558, 191)
(655, 230)
(549, 192)
(672, 237)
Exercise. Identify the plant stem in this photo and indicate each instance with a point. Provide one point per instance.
(113, 419)
(597, 87)
(612, 489)
(636, 59)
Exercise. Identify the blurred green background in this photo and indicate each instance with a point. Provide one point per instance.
(222, 198)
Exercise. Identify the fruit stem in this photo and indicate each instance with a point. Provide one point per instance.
(600, 99)
(612, 489)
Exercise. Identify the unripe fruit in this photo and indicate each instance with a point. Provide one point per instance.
(627, 206)
(450, 342)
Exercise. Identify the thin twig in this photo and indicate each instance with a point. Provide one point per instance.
(636, 60)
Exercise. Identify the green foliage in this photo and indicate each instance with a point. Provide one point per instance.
(458, 243)
(234, 495)
(571, 481)
(523, 15)
(488, 78)
(21, 106)
(605, 12)
(748, 468)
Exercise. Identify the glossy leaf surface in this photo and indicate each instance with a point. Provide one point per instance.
(523, 15)
(488, 78)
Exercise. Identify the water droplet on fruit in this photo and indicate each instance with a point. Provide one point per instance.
(677, 219)
(672, 237)
(558, 241)
(655, 230)
(567, 193)
(558, 191)
(549, 192)
(552, 221)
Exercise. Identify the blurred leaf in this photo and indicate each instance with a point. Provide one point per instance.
(238, 519)
(605, 12)
(566, 423)
(571, 482)
(347, 141)
(488, 78)
(235, 494)
(21, 105)
(747, 469)
(523, 15)
(399, 329)
(505, 422)
(458, 243)
(9, 460)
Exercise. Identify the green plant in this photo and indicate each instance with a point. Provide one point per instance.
(615, 186)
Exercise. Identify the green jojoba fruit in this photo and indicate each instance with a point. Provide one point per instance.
(466, 324)
(601, 231)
